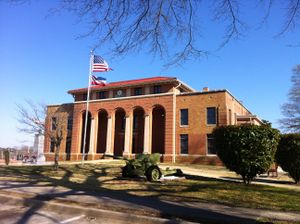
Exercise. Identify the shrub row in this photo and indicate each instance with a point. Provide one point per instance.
(250, 150)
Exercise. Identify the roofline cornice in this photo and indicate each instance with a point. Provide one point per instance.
(122, 86)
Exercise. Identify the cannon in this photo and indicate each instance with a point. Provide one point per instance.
(147, 165)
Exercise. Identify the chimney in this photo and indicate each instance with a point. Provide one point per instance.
(205, 89)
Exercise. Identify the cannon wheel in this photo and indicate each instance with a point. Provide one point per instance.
(153, 173)
(127, 170)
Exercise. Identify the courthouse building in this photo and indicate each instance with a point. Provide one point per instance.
(151, 115)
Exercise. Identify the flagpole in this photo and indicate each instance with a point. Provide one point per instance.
(87, 108)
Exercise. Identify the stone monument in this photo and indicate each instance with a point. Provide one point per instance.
(38, 147)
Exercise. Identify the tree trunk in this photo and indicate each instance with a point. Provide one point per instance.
(56, 157)
(246, 179)
(7, 156)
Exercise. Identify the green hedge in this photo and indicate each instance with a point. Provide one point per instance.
(247, 150)
(288, 155)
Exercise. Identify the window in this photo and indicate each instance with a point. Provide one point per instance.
(101, 95)
(53, 124)
(184, 144)
(184, 117)
(230, 117)
(52, 146)
(156, 89)
(138, 91)
(84, 96)
(211, 145)
(70, 123)
(211, 115)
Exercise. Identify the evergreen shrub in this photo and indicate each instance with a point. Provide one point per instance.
(288, 155)
(248, 150)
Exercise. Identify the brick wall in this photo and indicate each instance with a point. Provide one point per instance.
(61, 112)
(197, 129)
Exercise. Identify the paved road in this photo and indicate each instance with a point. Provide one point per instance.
(21, 214)
(114, 207)
(13, 214)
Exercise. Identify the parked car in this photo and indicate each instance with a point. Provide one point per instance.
(29, 159)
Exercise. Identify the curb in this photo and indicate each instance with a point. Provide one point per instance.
(92, 213)
(73, 207)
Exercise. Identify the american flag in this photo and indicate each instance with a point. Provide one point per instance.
(98, 80)
(100, 65)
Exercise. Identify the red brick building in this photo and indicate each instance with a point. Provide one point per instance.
(152, 115)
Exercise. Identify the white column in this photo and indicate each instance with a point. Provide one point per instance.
(128, 135)
(147, 135)
(150, 132)
(92, 137)
(95, 142)
(109, 136)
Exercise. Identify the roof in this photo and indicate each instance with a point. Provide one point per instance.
(215, 91)
(248, 117)
(157, 79)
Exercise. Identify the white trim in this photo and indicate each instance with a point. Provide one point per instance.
(174, 122)
(152, 83)
(183, 126)
(186, 85)
(127, 97)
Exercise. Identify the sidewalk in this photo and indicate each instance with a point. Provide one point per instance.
(29, 193)
(222, 173)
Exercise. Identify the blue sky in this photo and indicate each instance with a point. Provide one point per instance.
(41, 58)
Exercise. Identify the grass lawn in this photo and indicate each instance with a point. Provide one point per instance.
(107, 177)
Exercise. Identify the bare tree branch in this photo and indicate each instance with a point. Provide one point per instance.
(292, 16)
(269, 5)
(228, 10)
(169, 29)
(291, 110)
(33, 119)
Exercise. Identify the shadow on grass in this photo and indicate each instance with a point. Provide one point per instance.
(262, 180)
(119, 199)
(238, 184)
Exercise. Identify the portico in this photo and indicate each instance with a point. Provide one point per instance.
(123, 131)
